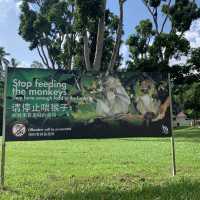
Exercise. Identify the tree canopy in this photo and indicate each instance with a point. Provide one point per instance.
(70, 33)
(152, 45)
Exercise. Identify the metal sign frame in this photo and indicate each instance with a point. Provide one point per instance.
(172, 137)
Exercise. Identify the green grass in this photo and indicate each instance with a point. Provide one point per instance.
(112, 169)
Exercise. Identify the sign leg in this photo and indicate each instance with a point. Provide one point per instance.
(173, 157)
(172, 137)
(3, 154)
(3, 151)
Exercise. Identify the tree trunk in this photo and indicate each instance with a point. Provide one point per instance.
(116, 49)
(86, 51)
(50, 57)
(43, 61)
(44, 56)
(100, 39)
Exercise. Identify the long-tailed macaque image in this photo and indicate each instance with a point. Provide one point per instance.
(115, 98)
(148, 103)
(117, 101)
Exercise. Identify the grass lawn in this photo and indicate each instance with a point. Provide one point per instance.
(112, 169)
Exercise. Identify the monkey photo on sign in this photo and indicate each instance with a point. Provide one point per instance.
(147, 102)
(132, 100)
(115, 99)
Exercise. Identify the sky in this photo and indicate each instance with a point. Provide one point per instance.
(18, 48)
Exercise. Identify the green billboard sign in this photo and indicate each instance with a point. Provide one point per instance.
(46, 104)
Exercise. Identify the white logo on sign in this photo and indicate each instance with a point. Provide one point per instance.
(165, 130)
(19, 130)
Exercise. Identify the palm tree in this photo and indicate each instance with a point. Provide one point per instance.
(14, 63)
(3, 61)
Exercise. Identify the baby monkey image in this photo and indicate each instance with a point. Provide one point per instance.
(115, 102)
(147, 102)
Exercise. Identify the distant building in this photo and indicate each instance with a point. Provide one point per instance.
(181, 119)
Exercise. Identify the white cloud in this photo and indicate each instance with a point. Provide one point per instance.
(7, 8)
(18, 4)
(24, 64)
(180, 61)
(124, 50)
(193, 36)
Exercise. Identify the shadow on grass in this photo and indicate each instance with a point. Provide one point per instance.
(180, 135)
(145, 139)
(188, 134)
(119, 188)
(181, 190)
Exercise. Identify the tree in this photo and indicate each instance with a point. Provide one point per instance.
(194, 61)
(187, 98)
(94, 12)
(48, 27)
(3, 61)
(155, 45)
(13, 63)
(139, 43)
(188, 73)
(192, 103)
(70, 33)
(116, 49)
(3, 58)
